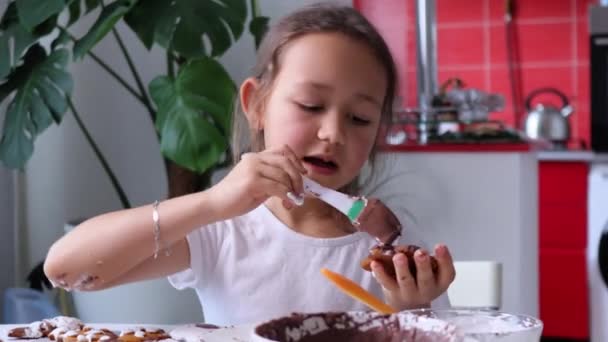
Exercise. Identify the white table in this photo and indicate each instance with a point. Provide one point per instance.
(233, 334)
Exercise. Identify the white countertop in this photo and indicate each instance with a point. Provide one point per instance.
(600, 158)
(573, 156)
(186, 332)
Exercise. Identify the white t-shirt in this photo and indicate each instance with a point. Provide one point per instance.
(254, 268)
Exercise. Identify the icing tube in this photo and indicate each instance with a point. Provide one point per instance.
(296, 199)
(348, 205)
(367, 215)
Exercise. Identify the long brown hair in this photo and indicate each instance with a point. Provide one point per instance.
(318, 18)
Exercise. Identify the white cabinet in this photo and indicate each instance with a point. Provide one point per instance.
(598, 221)
(482, 205)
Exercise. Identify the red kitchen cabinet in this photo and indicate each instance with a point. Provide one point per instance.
(564, 305)
(563, 297)
(557, 223)
(563, 182)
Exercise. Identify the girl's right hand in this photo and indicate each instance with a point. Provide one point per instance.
(257, 177)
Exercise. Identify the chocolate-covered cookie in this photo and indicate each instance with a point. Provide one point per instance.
(384, 255)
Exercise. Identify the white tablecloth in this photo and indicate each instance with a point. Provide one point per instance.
(233, 334)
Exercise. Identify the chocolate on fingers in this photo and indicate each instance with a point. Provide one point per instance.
(384, 254)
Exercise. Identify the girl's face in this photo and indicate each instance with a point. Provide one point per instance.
(326, 104)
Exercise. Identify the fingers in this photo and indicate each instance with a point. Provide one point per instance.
(445, 272)
(274, 188)
(424, 273)
(383, 278)
(290, 154)
(286, 160)
(285, 171)
(405, 279)
(288, 204)
(278, 181)
(411, 290)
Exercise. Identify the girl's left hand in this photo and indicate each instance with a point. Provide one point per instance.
(406, 292)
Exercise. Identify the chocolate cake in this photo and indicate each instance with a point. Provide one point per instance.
(384, 254)
(357, 327)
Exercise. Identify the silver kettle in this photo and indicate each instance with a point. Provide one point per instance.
(548, 122)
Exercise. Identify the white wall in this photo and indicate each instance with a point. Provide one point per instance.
(64, 181)
(7, 246)
(7, 219)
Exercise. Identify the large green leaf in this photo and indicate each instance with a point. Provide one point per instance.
(40, 86)
(14, 40)
(194, 113)
(187, 26)
(104, 24)
(75, 8)
(61, 40)
(258, 27)
(34, 12)
(139, 20)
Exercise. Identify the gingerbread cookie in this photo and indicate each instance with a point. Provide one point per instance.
(87, 334)
(143, 334)
(384, 255)
(40, 329)
(32, 331)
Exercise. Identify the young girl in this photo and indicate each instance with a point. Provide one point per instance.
(323, 83)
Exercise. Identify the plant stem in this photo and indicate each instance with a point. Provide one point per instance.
(255, 9)
(106, 167)
(140, 84)
(109, 70)
(120, 80)
(170, 64)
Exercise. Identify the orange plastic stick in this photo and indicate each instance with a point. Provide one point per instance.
(357, 292)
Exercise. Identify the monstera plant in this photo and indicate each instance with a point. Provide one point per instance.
(190, 102)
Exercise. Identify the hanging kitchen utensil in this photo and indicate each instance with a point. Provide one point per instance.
(546, 121)
(513, 60)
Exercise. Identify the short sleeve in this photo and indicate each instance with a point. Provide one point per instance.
(205, 245)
